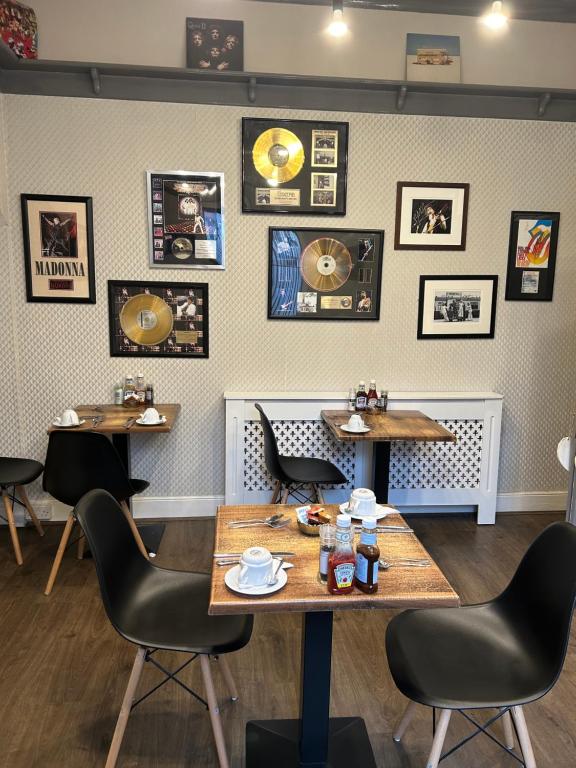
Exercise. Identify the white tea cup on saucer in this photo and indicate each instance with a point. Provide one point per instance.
(362, 502)
(355, 422)
(69, 418)
(150, 416)
(256, 567)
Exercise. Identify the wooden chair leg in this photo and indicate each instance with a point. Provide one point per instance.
(12, 527)
(285, 495)
(318, 492)
(214, 713)
(405, 722)
(438, 743)
(134, 528)
(25, 500)
(125, 709)
(524, 737)
(276, 493)
(508, 731)
(60, 553)
(81, 547)
(227, 674)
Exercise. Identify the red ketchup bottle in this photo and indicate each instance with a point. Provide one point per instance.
(342, 562)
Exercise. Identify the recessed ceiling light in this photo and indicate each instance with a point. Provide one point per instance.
(496, 18)
(337, 27)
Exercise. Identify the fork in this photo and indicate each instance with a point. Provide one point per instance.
(279, 524)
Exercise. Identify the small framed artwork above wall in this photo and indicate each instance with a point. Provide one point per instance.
(433, 58)
(431, 216)
(457, 306)
(58, 248)
(532, 255)
(215, 44)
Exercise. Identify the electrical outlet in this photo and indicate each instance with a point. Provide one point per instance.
(43, 511)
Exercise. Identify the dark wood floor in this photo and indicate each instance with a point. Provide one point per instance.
(63, 669)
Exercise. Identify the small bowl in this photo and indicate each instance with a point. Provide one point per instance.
(305, 527)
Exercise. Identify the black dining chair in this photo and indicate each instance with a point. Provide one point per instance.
(499, 655)
(15, 474)
(78, 462)
(292, 473)
(157, 609)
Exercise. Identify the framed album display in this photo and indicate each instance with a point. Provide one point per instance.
(186, 219)
(457, 306)
(294, 166)
(324, 274)
(430, 216)
(164, 319)
(532, 256)
(58, 248)
(215, 44)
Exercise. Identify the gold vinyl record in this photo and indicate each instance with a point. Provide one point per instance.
(146, 319)
(325, 264)
(278, 155)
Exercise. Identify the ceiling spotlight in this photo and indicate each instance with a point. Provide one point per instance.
(496, 18)
(338, 26)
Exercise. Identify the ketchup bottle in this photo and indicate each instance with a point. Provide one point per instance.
(342, 562)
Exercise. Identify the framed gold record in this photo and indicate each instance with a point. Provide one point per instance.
(278, 155)
(146, 319)
(326, 264)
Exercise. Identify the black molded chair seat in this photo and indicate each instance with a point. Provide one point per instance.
(310, 470)
(18, 471)
(139, 485)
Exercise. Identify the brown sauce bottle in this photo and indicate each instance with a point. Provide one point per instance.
(367, 556)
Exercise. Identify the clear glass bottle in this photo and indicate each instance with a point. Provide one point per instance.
(352, 399)
(361, 399)
(118, 394)
(341, 562)
(383, 401)
(327, 547)
(367, 556)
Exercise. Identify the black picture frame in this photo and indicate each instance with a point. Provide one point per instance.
(450, 203)
(436, 314)
(170, 308)
(532, 253)
(215, 45)
(58, 242)
(317, 155)
(301, 286)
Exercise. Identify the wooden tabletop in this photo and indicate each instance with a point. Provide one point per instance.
(398, 587)
(116, 416)
(391, 425)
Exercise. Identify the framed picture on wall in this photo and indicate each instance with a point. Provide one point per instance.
(164, 319)
(294, 166)
(324, 274)
(186, 219)
(215, 44)
(433, 58)
(430, 216)
(457, 306)
(58, 248)
(532, 255)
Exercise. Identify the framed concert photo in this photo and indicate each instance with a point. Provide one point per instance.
(430, 216)
(532, 256)
(158, 319)
(324, 274)
(58, 249)
(186, 219)
(215, 44)
(294, 166)
(457, 306)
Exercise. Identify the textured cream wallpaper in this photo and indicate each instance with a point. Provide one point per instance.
(102, 149)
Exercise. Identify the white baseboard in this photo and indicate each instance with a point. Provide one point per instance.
(177, 506)
(550, 501)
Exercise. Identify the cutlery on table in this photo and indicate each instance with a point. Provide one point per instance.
(221, 555)
(274, 579)
(383, 565)
(271, 519)
(387, 529)
(129, 422)
(286, 566)
(277, 524)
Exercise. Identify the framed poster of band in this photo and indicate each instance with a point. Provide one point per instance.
(158, 319)
(457, 306)
(532, 255)
(294, 166)
(324, 274)
(186, 219)
(58, 248)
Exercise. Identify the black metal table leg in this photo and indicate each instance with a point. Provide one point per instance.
(121, 441)
(315, 740)
(381, 471)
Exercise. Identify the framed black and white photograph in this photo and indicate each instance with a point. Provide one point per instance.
(457, 306)
(157, 319)
(294, 166)
(324, 274)
(430, 216)
(58, 249)
(215, 44)
(186, 219)
(532, 255)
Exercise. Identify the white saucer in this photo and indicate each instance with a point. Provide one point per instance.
(360, 431)
(231, 581)
(56, 423)
(381, 511)
(151, 423)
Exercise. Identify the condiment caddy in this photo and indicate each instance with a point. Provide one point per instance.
(362, 401)
(134, 392)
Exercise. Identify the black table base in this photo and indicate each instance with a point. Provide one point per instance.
(381, 470)
(275, 744)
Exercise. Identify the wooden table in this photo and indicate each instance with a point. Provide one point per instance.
(384, 428)
(316, 739)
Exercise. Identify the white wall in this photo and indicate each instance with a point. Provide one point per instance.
(291, 39)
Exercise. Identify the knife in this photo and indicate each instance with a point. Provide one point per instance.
(239, 554)
(129, 423)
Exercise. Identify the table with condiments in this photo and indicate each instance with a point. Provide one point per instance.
(315, 738)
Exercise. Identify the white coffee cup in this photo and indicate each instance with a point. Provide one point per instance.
(150, 416)
(69, 417)
(362, 502)
(356, 422)
(256, 567)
